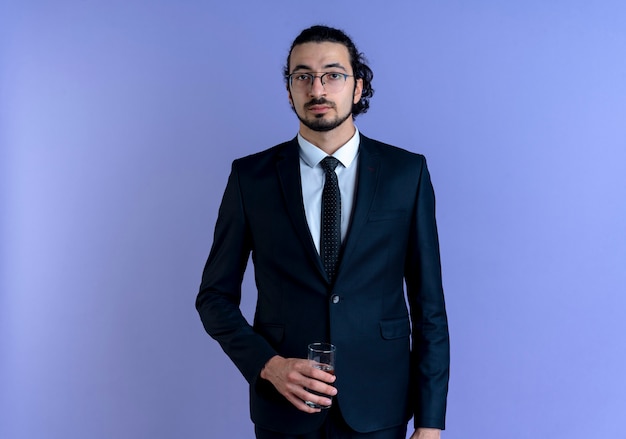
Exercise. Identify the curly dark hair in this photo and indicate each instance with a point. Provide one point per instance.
(322, 34)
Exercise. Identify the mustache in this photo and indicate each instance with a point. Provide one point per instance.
(319, 101)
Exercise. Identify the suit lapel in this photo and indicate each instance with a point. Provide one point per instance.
(367, 181)
(288, 169)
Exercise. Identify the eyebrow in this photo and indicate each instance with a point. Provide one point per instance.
(327, 66)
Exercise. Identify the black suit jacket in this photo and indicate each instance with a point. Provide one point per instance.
(392, 362)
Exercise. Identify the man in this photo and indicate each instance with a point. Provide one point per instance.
(332, 250)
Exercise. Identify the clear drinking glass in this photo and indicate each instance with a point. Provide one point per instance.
(323, 357)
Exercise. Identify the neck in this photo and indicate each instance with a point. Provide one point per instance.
(329, 141)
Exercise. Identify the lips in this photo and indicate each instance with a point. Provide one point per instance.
(318, 108)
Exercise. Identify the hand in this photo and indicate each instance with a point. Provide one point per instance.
(290, 376)
(426, 433)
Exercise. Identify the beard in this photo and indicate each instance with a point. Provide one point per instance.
(319, 123)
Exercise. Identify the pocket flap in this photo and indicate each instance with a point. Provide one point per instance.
(395, 328)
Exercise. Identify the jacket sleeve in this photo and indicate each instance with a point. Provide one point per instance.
(220, 291)
(430, 356)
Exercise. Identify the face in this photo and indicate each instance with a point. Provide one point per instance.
(316, 108)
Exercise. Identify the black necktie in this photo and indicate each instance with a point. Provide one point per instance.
(330, 242)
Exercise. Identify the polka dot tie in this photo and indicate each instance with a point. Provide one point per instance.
(330, 242)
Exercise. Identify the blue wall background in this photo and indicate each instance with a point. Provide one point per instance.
(118, 122)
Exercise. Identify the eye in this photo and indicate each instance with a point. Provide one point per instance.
(334, 76)
(302, 77)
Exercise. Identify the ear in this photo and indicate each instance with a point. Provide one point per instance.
(358, 89)
(289, 96)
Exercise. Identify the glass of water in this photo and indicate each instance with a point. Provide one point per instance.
(323, 357)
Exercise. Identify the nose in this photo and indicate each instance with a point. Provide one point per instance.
(317, 88)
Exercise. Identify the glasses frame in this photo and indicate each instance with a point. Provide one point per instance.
(314, 76)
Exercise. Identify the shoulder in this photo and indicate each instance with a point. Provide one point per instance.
(268, 157)
(391, 153)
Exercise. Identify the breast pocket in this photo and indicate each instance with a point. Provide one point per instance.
(388, 215)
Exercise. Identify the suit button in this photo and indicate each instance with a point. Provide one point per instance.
(335, 298)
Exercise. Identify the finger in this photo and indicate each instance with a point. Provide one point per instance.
(301, 405)
(321, 375)
(321, 400)
(311, 390)
(320, 393)
(316, 370)
(320, 387)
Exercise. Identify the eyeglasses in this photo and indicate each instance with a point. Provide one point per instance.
(332, 82)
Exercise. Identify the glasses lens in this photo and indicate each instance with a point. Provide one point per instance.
(332, 82)
(301, 81)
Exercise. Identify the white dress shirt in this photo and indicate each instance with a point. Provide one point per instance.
(313, 177)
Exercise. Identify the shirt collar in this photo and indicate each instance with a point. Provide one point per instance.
(312, 155)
